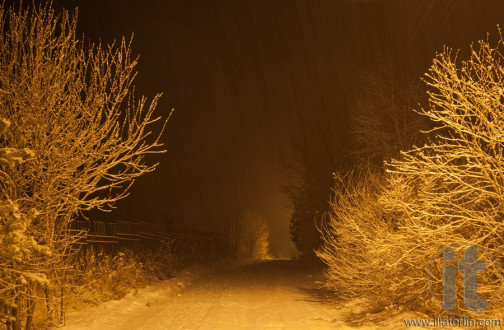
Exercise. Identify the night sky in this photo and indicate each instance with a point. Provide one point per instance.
(250, 80)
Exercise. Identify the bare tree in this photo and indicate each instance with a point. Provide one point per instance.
(248, 235)
(74, 108)
(382, 120)
(447, 192)
(456, 179)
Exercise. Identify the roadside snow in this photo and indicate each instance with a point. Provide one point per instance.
(118, 314)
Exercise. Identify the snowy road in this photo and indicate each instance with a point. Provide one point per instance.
(265, 295)
(274, 294)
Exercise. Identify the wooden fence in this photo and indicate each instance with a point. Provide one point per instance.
(125, 234)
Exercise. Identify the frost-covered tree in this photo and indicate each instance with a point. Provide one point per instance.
(384, 235)
(73, 106)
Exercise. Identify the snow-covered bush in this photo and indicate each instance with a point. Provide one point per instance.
(448, 191)
(158, 264)
(99, 276)
(21, 257)
(352, 239)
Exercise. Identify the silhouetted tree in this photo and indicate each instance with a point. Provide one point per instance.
(319, 152)
(383, 121)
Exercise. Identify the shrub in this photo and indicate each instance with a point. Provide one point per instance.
(102, 277)
(444, 193)
(353, 238)
(158, 264)
(99, 276)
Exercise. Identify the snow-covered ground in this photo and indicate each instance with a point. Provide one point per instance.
(272, 294)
